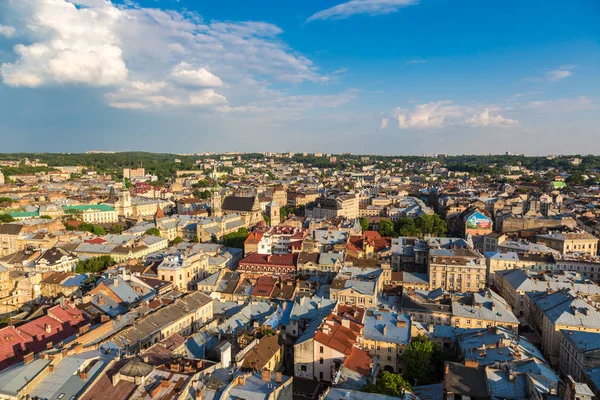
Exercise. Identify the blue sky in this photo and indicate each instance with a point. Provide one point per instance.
(364, 76)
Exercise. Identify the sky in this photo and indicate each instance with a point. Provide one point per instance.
(359, 76)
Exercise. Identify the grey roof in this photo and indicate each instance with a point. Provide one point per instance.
(486, 305)
(252, 312)
(255, 388)
(338, 394)
(526, 281)
(386, 329)
(65, 378)
(122, 289)
(502, 387)
(311, 307)
(165, 316)
(17, 377)
(583, 341)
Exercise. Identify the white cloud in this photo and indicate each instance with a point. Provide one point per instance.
(384, 123)
(183, 73)
(561, 105)
(558, 74)
(7, 30)
(484, 118)
(416, 61)
(555, 75)
(148, 58)
(206, 97)
(353, 7)
(442, 114)
(71, 46)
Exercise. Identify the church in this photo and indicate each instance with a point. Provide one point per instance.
(134, 207)
(246, 207)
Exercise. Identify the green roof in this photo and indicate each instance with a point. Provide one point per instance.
(24, 214)
(94, 207)
(559, 184)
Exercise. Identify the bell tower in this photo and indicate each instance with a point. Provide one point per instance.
(125, 208)
(274, 213)
(216, 202)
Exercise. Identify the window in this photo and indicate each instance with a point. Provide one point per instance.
(389, 358)
(321, 360)
(389, 349)
(321, 350)
(303, 368)
(321, 375)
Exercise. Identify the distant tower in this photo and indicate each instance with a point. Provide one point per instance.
(273, 209)
(216, 202)
(125, 208)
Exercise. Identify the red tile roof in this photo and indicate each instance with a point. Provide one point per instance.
(360, 361)
(338, 337)
(253, 238)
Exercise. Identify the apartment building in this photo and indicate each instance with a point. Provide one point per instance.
(456, 270)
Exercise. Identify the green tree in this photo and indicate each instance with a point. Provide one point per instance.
(575, 179)
(386, 228)
(389, 384)
(153, 232)
(423, 361)
(94, 265)
(236, 239)
(364, 224)
(116, 229)
(202, 194)
(98, 230)
(6, 218)
(177, 240)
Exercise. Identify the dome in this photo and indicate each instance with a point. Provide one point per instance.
(136, 369)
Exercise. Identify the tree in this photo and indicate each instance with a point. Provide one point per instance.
(153, 232)
(202, 194)
(236, 239)
(389, 384)
(575, 179)
(6, 218)
(423, 361)
(177, 240)
(386, 228)
(94, 265)
(98, 230)
(116, 229)
(364, 224)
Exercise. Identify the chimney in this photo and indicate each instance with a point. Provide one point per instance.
(116, 282)
(384, 330)
(83, 374)
(266, 375)
(48, 328)
(402, 324)
(278, 377)
(29, 357)
(241, 380)
(51, 368)
(378, 317)
(346, 323)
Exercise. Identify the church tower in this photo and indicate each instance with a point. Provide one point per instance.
(125, 208)
(274, 216)
(216, 202)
